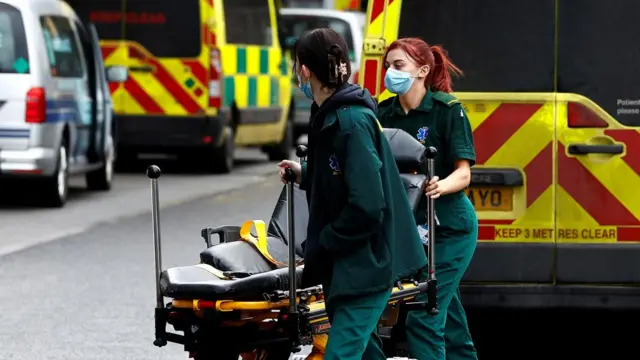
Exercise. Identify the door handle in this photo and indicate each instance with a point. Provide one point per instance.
(585, 149)
(142, 68)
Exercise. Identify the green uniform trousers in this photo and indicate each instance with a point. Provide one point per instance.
(354, 322)
(446, 335)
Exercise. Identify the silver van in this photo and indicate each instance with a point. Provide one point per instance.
(55, 104)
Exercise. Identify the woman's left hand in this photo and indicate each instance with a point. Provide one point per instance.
(434, 189)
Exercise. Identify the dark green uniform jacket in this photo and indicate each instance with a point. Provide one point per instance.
(439, 121)
(361, 236)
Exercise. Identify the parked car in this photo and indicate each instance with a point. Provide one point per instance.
(55, 105)
(349, 24)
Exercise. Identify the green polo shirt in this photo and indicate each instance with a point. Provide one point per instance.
(439, 121)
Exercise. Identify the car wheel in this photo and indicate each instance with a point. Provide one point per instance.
(221, 159)
(102, 178)
(56, 187)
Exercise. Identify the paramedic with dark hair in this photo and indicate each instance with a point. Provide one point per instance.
(361, 236)
(420, 75)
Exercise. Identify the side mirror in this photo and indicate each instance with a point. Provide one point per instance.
(117, 73)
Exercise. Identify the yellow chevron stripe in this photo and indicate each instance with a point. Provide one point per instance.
(476, 118)
(618, 178)
(539, 213)
(177, 71)
(536, 133)
(132, 106)
(573, 215)
(153, 88)
(391, 21)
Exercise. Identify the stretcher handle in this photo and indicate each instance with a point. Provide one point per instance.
(290, 178)
(432, 283)
(153, 173)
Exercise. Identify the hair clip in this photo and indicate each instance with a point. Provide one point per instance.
(342, 68)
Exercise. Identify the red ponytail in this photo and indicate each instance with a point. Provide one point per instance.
(441, 73)
(441, 67)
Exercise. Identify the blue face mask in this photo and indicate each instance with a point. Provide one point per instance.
(305, 88)
(398, 82)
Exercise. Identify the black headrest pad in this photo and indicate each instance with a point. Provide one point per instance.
(407, 150)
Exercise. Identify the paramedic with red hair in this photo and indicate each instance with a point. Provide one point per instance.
(420, 76)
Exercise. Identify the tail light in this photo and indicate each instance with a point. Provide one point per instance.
(36, 109)
(215, 79)
(580, 116)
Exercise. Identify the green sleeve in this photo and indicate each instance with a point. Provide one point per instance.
(362, 216)
(459, 136)
(303, 176)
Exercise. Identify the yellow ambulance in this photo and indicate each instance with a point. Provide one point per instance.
(204, 76)
(552, 91)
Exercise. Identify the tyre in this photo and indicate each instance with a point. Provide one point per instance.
(101, 179)
(220, 160)
(56, 187)
(282, 150)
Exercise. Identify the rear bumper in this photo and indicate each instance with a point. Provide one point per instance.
(32, 162)
(547, 296)
(167, 133)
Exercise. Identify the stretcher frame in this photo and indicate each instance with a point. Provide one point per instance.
(280, 324)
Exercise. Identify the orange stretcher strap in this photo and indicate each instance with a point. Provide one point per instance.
(261, 242)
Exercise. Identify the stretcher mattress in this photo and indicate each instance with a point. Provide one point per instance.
(199, 282)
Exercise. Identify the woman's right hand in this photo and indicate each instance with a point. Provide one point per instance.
(293, 165)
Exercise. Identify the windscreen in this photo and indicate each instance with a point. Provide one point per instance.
(14, 56)
(167, 28)
(599, 52)
(501, 45)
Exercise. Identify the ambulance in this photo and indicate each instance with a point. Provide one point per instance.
(552, 91)
(205, 76)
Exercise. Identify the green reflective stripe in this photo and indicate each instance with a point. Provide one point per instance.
(241, 58)
(229, 90)
(275, 90)
(264, 61)
(253, 92)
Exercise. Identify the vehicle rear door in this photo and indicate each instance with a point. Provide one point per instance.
(167, 60)
(15, 78)
(103, 99)
(598, 165)
(108, 19)
(506, 49)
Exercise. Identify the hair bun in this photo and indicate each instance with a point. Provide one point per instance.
(336, 51)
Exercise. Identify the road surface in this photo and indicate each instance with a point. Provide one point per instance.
(82, 285)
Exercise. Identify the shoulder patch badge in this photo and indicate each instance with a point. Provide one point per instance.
(334, 164)
(423, 132)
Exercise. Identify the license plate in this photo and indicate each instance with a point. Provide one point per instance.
(490, 198)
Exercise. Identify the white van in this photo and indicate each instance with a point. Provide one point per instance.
(55, 105)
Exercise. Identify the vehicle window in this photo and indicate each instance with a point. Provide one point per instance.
(299, 24)
(248, 22)
(63, 50)
(105, 14)
(598, 54)
(168, 28)
(14, 56)
(501, 45)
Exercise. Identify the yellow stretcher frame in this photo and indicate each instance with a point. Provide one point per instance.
(259, 311)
